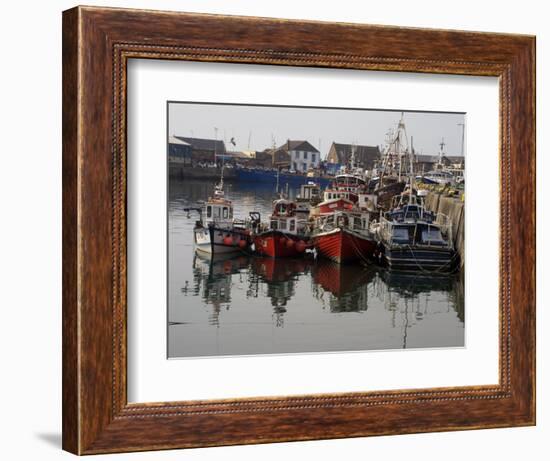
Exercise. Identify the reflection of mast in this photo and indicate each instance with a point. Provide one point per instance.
(406, 324)
(280, 277)
(213, 280)
(346, 287)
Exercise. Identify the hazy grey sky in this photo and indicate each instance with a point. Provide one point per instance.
(318, 126)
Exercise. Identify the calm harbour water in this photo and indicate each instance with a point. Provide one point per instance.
(244, 305)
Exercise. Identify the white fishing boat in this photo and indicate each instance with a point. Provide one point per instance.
(217, 231)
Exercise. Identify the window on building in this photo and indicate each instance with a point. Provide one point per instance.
(274, 224)
(313, 157)
(225, 213)
(305, 155)
(208, 211)
(304, 167)
(282, 224)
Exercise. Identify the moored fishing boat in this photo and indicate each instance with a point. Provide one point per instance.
(285, 236)
(348, 190)
(414, 239)
(217, 231)
(309, 196)
(341, 230)
(344, 236)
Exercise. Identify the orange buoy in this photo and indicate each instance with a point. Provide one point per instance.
(289, 243)
(242, 243)
(300, 246)
(228, 240)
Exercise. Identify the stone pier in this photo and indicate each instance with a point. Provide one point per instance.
(452, 207)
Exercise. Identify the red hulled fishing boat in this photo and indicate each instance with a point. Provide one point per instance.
(344, 236)
(341, 232)
(286, 235)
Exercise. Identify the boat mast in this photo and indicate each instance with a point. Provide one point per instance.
(411, 174)
(219, 187)
(441, 146)
(401, 143)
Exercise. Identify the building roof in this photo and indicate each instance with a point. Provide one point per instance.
(204, 144)
(297, 145)
(174, 140)
(423, 158)
(239, 154)
(362, 153)
(435, 158)
(455, 158)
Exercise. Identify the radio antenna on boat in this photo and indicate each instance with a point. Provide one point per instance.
(441, 151)
(411, 167)
(218, 190)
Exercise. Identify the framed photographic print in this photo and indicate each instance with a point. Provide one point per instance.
(284, 230)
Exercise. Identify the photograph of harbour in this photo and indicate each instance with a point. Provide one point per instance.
(313, 229)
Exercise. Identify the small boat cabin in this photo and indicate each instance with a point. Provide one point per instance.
(345, 186)
(218, 210)
(353, 220)
(309, 192)
(284, 217)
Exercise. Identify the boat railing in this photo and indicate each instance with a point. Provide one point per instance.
(441, 222)
(358, 223)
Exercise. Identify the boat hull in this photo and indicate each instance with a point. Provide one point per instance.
(343, 246)
(415, 259)
(270, 177)
(214, 240)
(277, 244)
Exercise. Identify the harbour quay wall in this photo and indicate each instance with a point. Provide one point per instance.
(179, 171)
(452, 207)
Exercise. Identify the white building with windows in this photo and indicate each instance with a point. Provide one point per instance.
(303, 156)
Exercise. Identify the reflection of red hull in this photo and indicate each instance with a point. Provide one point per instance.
(343, 246)
(279, 270)
(340, 279)
(278, 244)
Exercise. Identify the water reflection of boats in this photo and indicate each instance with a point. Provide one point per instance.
(408, 284)
(279, 275)
(417, 289)
(213, 274)
(347, 286)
